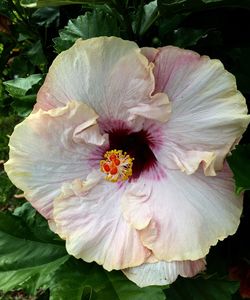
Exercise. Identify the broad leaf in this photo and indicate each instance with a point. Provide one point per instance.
(240, 67)
(239, 162)
(46, 16)
(127, 290)
(7, 189)
(212, 288)
(6, 124)
(171, 7)
(92, 24)
(44, 3)
(150, 14)
(75, 280)
(69, 281)
(25, 261)
(36, 54)
(187, 37)
(20, 86)
(32, 257)
(211, 1)
(36, 224)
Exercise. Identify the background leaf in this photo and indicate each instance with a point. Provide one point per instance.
(44, 3)
(33, 257)
(212, 288)
(20, 86)
(92, 24)
(126, 290)
(170, 7)
(70, 281)
(239, 162)
(145, 17)
(25, 260)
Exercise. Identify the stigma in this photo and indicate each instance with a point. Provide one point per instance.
(117, 165)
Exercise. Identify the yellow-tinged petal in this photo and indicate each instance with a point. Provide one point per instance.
(110, 75)
(48, 148)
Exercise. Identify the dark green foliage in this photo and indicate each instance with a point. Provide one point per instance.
(44, 3)
(92, 24)
(75, 279)
(26, 261)
(171, 7)
(211, 288)
(32, 258)
(239, 162)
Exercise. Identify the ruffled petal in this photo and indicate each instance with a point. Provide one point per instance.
(107, 73)
(162, 272)
(135, 205)
(91, 222)
(49, 148)
(208, 114)
(181, 216)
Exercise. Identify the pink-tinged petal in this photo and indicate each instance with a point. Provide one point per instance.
(49, 148)
(150, 53)
(135, 204)
(208, 114)
(162, 272)
(157, 108)
(186, 214)
(107, 73)
(94, 229)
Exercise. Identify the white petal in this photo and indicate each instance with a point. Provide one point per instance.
(181, 216)
(107, 73)
(208, 114)
(162, 272)
(135, 205)
(46, 150)
(94, 229)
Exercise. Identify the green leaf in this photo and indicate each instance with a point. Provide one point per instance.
(32, 257)
(187, 37)
(25, 260)
(76, 279)
(36, 224)
(211, 1)
(72, 280)
(36, 54)
(212, 288)
(150, 14)
(46, 16)
(239, 162)
(5, 7)
(171, 7)
(22, 107)
(127, 290)
(44, 3)
(92, 24)
(240, 61)
(20, 86)
(7, 125)
(7, 189)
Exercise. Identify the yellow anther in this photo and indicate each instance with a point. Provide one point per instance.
(117, 165)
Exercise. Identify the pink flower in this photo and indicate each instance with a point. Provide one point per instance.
(124, 155)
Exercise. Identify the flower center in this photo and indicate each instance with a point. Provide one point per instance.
(137, 145)
(117, 165)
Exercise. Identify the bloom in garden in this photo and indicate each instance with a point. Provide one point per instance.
(124, 155)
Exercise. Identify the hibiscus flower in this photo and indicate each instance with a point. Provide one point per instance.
(124, 155)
